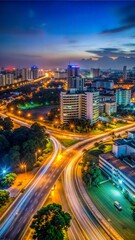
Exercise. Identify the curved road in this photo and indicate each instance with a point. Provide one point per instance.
(18, 220)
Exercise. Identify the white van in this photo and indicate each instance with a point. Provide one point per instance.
(117, 205)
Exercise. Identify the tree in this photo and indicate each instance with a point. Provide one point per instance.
(102, 147)
(7, 124)
(8, 180)
(4, 197)
(14, 156)
(50, 222)
(4, 144)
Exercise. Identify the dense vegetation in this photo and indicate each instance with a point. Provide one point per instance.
(43, 96)
(84, 125)
(4, 197)
(21, 144)
(50, 222)
(91, 173)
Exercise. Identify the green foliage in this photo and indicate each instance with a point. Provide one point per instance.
(50, 222)
(4, 197)
(4, 144)
(77, 125)
(91, 173)
(21, 144)
(6, 124)
(8, 180)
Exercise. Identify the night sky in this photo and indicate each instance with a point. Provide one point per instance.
(54, 33)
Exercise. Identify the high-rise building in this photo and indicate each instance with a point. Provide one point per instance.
(34, 70)
(94, 72)
(79, 105)
(72, 73)
(123, 96)
(110, 107)
(27, 74)
(125, 73)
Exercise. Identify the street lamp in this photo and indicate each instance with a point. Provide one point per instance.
(19, 112)
(4, 171)
(24, 166)
(41, 118)
(36, 153)
(28, 115)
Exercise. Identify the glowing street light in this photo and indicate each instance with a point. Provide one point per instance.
(19, 112)
(4, 171)
(12, 109)
(28, 115)
(41, 118)
(23, 166)
(36, 153)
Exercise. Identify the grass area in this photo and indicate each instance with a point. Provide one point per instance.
(93, 154)
(103, 198)
(6, 206)
(67, 142)
(96, 131)
(108, 147)
(29, 106)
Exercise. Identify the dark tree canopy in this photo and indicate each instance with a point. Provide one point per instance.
(50, 222)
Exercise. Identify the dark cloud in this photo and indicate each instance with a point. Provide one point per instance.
(111, 52)
(119, 29)
(127, 20)
(110, 49)
(130, 44)
(72, 41)
(107, 62)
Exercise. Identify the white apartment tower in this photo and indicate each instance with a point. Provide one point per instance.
(79, 105)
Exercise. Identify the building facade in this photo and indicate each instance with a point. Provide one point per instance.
(123, 96)
(72, 73)
(120, 173)
(83, 105)
(121, 170)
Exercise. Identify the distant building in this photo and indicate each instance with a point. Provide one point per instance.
(101, 83)
(125, 73)
(34, 70)
(110, 107)
(79, 105)
(60, 74)
(94, 72)
(27, 74)
(72, 73)
(123, 96)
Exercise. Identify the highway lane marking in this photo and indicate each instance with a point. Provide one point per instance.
(32, 210)
(26, 209)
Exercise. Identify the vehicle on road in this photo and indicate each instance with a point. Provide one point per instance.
(118, 205)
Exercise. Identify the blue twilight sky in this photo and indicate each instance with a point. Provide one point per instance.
(54, 33)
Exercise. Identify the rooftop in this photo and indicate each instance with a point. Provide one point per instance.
(119, 164)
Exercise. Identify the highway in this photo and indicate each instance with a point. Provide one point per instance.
(28, 203)
(92, 227)
(18, 220)
(57, 195)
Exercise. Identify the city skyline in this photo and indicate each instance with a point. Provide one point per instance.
(54, 33)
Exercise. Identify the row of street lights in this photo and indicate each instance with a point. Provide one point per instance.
(41, 118)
